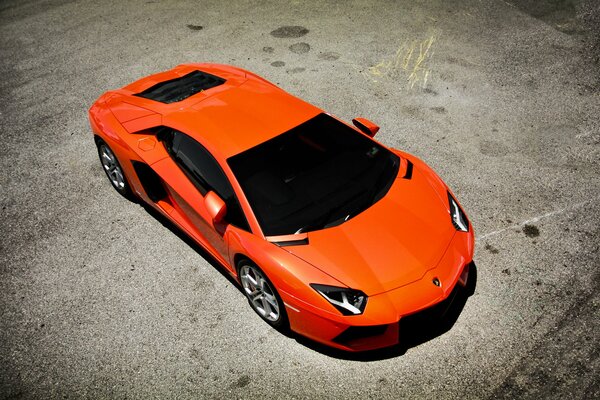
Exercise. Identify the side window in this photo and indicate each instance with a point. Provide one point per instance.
(204, 172)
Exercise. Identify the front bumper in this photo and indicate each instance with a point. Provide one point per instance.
(388, 313)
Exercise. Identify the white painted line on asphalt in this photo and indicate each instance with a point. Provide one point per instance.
(536, 219)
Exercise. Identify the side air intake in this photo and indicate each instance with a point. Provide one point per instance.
(181, 88)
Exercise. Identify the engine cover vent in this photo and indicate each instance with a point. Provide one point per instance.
(179, 89)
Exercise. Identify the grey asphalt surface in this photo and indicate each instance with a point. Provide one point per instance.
(99, 299)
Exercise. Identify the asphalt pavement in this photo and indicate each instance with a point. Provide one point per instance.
(99, 298)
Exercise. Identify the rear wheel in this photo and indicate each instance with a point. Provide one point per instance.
(113, 170)
(262, 295)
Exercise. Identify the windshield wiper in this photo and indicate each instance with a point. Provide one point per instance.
(324, 220)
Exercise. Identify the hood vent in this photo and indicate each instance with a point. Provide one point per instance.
(181, 88)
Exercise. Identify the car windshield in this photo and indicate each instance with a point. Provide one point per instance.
(317, 175)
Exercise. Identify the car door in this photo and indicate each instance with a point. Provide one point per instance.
(188, 175)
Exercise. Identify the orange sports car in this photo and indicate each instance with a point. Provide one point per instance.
(329, 233)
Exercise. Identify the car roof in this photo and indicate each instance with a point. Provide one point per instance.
(240, 113)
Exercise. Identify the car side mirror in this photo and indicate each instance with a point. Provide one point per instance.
(366, 126)
(216, 206)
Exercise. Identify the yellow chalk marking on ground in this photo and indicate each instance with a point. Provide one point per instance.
(410, 60)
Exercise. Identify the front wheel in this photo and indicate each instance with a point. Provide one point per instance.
(262, 295)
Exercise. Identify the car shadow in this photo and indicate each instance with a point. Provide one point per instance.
(190, 242)
(415, 329)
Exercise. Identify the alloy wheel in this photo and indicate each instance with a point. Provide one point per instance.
(260, 293)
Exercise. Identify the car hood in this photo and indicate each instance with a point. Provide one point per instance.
(389, 245)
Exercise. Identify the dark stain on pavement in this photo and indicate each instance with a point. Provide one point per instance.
(560, 14)
(195, 27)
(293, 31)
(300, 48)
(531, 231)
(329, 56)
(242, 381)
(491, 249)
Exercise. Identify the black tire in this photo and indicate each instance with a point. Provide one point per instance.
(281, 323)
(113, 170)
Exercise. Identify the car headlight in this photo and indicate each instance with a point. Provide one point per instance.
(347, 301)
(459, 219)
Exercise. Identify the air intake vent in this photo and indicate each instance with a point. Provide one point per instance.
(181, 88)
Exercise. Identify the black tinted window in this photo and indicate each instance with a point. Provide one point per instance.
(319, 174)
(204, 172)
